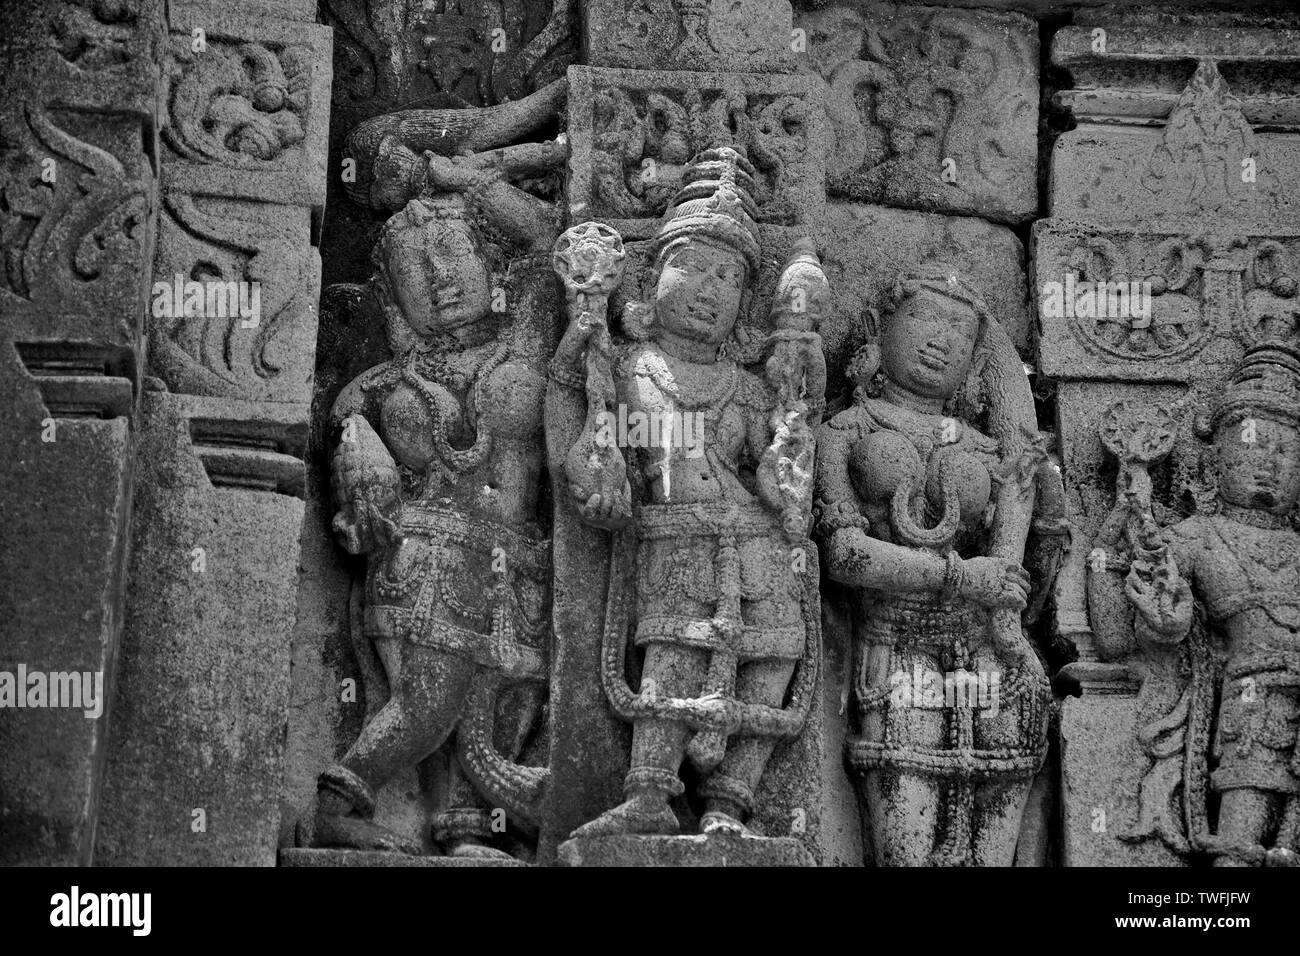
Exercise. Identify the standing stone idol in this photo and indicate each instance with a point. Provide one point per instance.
(926, 490)
(714, 577)
(1225, 585)
(437, 480)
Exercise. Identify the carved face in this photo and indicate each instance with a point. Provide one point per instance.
(443, 285)
(927, 345)
(1259, 464)
(698, 296)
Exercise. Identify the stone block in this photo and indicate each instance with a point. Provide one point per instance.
(749, 36)
(932, 109)
(632, 132)
(66, 490)
(1176, 305)
(264, 254)
(1101, 766)
(247, 106)
(196, 753)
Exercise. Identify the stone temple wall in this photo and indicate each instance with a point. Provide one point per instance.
(650, 432)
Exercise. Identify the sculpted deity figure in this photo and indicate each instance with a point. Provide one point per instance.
(437, 482)
(1225, 586)
(713, 574)
(925, 493)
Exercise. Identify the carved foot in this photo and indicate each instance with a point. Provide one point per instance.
(641, 814)
(353, 833)
(724, 824)
(1281, 856)
(478, 851)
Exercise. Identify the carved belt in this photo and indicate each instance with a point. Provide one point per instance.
(516, 661)
(705, 519)
(1000, 762)
(477, 534)
(924, 622)
(746, 641)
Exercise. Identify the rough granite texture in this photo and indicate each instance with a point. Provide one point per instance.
(978, 325)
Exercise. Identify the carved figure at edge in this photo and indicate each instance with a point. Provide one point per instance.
(711, 559)
(437, 481)
(1225, 585)
(927, 515)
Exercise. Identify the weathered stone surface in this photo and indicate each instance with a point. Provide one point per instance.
(247, 109)
(1168, 192)
(78, 148)
(298, 859)
(77, 184)
(195, 754)
(631, 134)
(932, 109)
(749, 36)
(1101, 808)
(719, 851)
(66, 489)
(252, 336)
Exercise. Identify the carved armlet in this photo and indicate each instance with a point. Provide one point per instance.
(571, 375)
(838, 515)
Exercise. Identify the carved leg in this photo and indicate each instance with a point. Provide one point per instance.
(470, 822)
(417, 720)
(729, 790)
(995, 825)
(905, 809)
(658, 747)
(1247, 819)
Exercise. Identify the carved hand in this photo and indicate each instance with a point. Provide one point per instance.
(994, 582)
(1164, 602)
(365, 490)
(452, 174)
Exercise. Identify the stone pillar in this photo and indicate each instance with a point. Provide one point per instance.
(1166, 181)
(196, 760)
(78, 164)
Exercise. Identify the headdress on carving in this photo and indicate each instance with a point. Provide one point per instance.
(416, 231)
(1266, 382)
(407, 228)
(715, 202)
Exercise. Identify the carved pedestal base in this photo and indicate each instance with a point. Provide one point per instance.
(303, 858)
(685, 851)
(1101, 767)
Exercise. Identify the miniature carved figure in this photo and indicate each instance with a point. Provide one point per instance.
(437, 481)
(1225, 585)
(711, 555)
(926, 491)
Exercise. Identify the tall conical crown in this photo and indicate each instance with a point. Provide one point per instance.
(1265, 382)
(715, 202)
